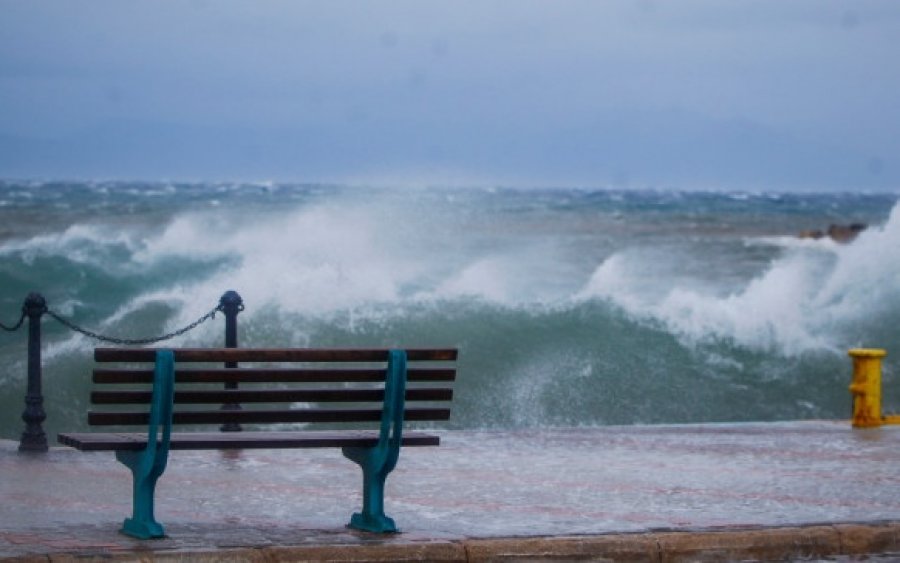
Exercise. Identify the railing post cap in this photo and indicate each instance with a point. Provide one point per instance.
(35, 303)
(231, 297)
(867, 353)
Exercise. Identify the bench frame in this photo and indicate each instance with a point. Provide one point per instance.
(376, 455)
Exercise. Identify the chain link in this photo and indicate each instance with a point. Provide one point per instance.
(15, 327)
(132, 341)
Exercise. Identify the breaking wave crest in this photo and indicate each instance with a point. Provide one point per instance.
(816, 296)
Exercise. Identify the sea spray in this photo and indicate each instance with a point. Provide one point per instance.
(810, 298)
(570, 307)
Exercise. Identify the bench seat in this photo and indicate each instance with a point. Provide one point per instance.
(134, 441)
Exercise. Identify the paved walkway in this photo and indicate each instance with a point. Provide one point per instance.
(653, 493)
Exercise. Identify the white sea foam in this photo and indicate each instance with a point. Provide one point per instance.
(358, 259)
(332, 258)
(311, 260)
(78, 243)
(805, 300)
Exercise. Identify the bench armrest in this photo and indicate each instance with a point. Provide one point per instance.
(163, 400)
(392, 413)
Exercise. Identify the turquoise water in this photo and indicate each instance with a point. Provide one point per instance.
(570, 307)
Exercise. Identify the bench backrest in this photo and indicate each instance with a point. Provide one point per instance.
(272, 386)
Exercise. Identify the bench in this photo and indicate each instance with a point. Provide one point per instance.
(357, 399)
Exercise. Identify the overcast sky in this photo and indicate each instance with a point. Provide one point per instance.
(759, 95)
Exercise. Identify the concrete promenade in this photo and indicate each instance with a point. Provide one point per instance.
(764, 491)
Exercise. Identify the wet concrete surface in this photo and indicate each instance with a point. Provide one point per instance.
(581, 485)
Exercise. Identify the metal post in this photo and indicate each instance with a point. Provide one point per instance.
(231, 304)
(33, 438)
(866, 387)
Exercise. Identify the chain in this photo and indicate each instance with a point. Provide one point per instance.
(134, 341)
(16, 326)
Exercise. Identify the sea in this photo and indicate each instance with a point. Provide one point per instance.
(570, 307)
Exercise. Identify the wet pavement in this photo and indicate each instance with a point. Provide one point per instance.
(642, 483)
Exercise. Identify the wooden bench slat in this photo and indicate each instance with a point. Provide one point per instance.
(221, 396)
(107, 441)
(268, 375)
(273, 416)
(272, 354)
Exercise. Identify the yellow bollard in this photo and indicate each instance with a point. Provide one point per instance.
(866, 387)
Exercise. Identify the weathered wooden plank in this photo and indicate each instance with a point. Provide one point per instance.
(96, 418)
(268, 375)
(234, 396)
(273, 354)
(107, 441)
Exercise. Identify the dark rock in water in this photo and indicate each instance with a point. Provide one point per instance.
(845, 233)
(837, 233)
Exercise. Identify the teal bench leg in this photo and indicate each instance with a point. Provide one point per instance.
(142, 524)
(148, 464)
(378, 461)
(372, 517)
